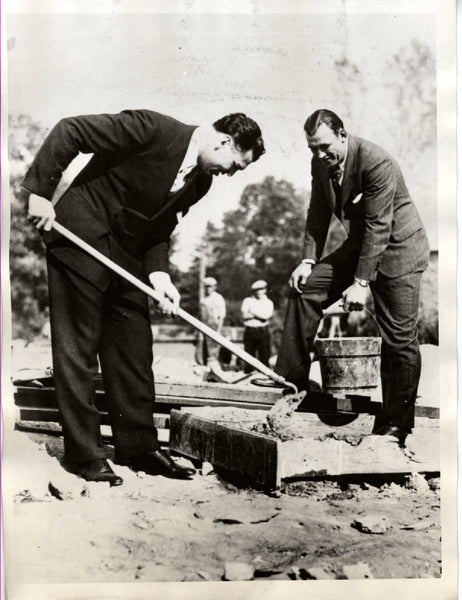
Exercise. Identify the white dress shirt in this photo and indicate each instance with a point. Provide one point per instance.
(189, 162)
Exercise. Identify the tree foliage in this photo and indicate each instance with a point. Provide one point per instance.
(29, 290)
(261, 239)
(412, 78)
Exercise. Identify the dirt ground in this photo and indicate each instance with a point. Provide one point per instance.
(156, 529)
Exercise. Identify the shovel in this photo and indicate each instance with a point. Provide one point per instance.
(211, 333)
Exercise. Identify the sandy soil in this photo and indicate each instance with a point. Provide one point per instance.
(156, 529)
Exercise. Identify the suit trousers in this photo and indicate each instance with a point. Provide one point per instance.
(396, 303)
(257, 342)
(114, 325)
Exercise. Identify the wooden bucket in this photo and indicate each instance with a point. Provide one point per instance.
(350, 365)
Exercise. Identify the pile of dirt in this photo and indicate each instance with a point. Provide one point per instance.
(157, 529)
(60, 529)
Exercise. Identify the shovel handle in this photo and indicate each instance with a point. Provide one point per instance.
(148, 290)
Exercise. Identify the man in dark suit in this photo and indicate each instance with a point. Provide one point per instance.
(386, 252)
(146, 171)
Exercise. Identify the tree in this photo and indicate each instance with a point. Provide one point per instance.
(350, 89)
(29, 291)
(261, 239)
(412, 79)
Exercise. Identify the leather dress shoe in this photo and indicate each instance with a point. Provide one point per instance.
(98, 470)
(160, 463)
(266, 382)
(395, 431)
(270, 383)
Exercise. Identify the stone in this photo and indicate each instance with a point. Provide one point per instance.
(238, 571)
(204, 575)
(376, 524)
(207, 468)
(416, 482)
(321, 573)
(357, 571)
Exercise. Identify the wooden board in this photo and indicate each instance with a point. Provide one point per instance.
(52, 415)
(375, 455)
(28, 397)
(170, 395)
(252, 456)
(302, 425)
(323, 451)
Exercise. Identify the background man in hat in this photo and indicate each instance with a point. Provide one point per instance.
(147, 170)
(385, 253)
(213, 313)
(257, 311)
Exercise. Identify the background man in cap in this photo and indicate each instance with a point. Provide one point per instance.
(147, 170)
(213, 313)
(386, 252)
(256, 311)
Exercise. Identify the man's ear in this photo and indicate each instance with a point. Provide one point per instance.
(225, 139)
(342, 133)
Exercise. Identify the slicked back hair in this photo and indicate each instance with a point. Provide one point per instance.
(245, 132)
(325, 116)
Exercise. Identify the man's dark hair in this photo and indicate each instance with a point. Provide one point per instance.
(326, 116)
(245, 132)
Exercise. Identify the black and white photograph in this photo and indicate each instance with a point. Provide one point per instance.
(229, 359)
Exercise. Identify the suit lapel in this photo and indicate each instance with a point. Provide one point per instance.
(195, 187)
(328, 186)
(350, 165)
(171, 160)
(175, 202)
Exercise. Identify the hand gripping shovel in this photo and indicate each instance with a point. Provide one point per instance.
(216, 337)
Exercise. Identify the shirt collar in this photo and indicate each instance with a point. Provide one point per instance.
(192, 153)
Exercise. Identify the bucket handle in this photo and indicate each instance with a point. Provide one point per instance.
(336, 306)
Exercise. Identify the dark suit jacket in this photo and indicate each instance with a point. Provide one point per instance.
(120, 202)
(383, 223)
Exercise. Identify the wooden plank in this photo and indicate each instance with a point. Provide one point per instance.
(324, 402)
(302, 425)
(315, 402)
(253, 456)
(179, 401)
(314, 456)
(38, 414)
(218, 391)
(421, 411)
(166, 387)
(54, 429)
(49, 414)
(375, 455)
(45, 397)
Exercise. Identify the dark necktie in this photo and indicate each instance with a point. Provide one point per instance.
(335, 177)
(187, 179)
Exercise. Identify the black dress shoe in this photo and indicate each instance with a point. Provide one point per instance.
(270, 383)
(98, 470)
(267, 382)
(160, 463)
(395, 431)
